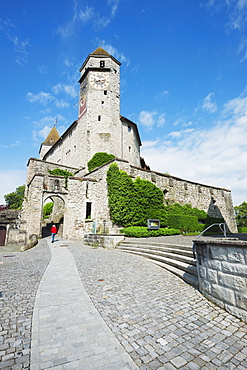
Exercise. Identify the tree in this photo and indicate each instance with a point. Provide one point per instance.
(14, 200)
(241, 214)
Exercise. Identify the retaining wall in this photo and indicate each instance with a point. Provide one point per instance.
(222, 272)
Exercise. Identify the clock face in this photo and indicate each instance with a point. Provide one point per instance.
(99, 80)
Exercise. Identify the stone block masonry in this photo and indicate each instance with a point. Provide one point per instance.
(222, 271)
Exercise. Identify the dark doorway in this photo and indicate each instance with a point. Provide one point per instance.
(2, 235)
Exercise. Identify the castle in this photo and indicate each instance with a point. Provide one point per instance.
(81, 202)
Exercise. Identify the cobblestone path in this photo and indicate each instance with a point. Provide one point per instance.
(162, 322)
(20, 274)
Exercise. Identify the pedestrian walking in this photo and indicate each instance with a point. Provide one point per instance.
(53, 233)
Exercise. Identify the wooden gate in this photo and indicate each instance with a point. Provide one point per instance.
(2, 235)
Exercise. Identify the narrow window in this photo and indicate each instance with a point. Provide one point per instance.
(102, 63)
(88, 209)
(105, 92)
(99, 118)
(102, 103)
(129, 128)
(129, 148)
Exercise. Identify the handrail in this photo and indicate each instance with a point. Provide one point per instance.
(223, 229)
(220, 224)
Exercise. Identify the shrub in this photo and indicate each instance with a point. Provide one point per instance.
(213, 220)
(143, 232)
(98, 160)
(47, 210)
(242, 229)
(186, 209)
(183, 222)
(132, 202)
(59, 172)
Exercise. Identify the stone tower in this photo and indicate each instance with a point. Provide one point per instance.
(99, 127)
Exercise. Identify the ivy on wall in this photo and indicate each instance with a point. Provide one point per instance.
(132, 202)
(99, 159)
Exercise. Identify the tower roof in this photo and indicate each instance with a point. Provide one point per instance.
(52, 137)
(100, 51)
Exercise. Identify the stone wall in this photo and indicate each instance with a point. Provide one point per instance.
(222, 270)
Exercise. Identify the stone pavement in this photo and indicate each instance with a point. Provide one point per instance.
(159, 320)
(67, 331)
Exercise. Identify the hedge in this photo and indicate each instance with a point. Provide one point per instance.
(143, 232)
(183, 222)
(242, 229)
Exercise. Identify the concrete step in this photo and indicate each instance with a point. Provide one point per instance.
(178, 259)
(163, 252)
(175, 263)
(157, 244)
(165, 248)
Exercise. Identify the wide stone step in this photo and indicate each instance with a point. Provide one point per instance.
(190, 279)
(169, 261)
(161, 252)
(165, 248)
(157, 244)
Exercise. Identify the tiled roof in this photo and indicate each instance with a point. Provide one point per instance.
(52, 138)
(100, 51)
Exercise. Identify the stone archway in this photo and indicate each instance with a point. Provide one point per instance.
(56, 216)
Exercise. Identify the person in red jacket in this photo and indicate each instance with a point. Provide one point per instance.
(53, 233)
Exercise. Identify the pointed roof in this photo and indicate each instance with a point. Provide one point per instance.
(100, 51)
(52, 137)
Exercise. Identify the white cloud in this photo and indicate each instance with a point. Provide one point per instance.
(147, 119)
(86, 15)
(9, 181)
(67, 89)
(115, 53)
(208, 104)
(16, 143)
(151, 118)
(216, 156)
(41, 97)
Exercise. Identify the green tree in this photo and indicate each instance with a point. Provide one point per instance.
(14, 200)
(98, 160)
(47, 210)
(241, 214)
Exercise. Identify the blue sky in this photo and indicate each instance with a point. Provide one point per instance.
(183, 81)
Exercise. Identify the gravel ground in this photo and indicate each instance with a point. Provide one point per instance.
(20, 275)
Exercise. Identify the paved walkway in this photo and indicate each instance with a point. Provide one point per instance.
(68, 332)
(104, 309)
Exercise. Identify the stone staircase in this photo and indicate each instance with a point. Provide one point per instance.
(178, 259)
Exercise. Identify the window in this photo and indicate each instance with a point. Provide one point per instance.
(102, 104)
(102, 63)
(88, 209)
(129, 128)
(56, 185)
(105, 92)
(129, 148)
(99, 118)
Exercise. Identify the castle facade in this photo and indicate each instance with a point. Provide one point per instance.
(81, 202)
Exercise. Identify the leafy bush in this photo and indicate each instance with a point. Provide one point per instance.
(242, 229)
(241, 214)
(132, 202)
(59, 172)
(143, 232)
(98, 160)
(213, 220)
(186, 209)
(183, 222)
(47, 210)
